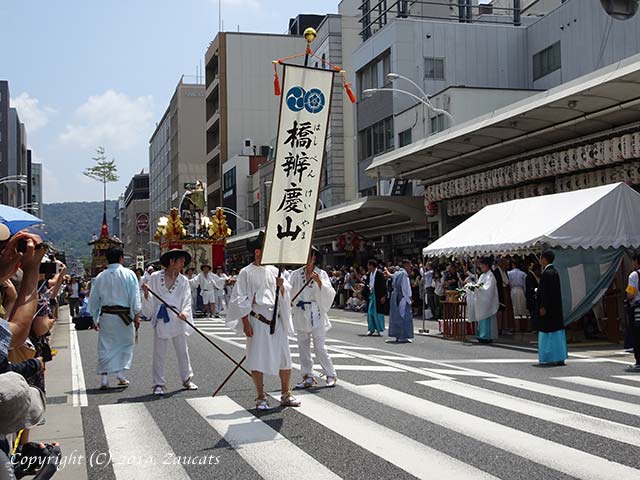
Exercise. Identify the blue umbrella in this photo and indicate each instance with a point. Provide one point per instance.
(16, 219)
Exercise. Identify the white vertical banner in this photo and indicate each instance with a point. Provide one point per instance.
(302, 132)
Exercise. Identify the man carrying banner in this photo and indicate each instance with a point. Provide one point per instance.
(174, 289)
(115, 304)
(310, 318)
(251, 311)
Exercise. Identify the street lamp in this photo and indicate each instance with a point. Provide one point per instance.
(425, 101)
(235, 214)
(19, 179)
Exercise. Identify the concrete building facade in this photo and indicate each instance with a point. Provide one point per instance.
(177, 150)
(241, 108)
(36, 189)
(136, 224)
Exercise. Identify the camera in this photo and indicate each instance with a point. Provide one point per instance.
(22, 245)
(48, 268)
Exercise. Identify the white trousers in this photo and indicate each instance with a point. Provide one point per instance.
(220, 305)
(160, 346)
(320, 349)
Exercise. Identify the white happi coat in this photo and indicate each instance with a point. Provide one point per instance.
(255, 290)
(210, 284)
(315, 314)
(179, 297)
(483, 302)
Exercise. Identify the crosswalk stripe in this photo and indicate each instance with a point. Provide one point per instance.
(133, 438)
(635, 378)
(567, 418)
(568, 460)
(333, 355)
(464, 373)
(355, 368)
(601, 384)
(355, 347)
(267, 451)
(580, 397)
(405, 453)
(221, 333)
(403, 359)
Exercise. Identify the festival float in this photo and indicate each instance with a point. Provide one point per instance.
(100, 246)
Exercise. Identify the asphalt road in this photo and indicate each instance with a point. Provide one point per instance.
(428, 409)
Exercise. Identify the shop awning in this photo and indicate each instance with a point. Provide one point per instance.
(600, 101)
(368, 216)
(600, 217)
(371, 216)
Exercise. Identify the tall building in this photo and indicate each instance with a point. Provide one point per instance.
(177, 150)
(36, 189)
(135, 218)
(526, 105)
(241, 109)
(15, 157)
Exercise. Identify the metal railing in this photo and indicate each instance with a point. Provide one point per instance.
(378, 13)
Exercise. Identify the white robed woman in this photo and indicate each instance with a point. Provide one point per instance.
(250, 312)
(174, 289)
(482, 303)
(310, 319)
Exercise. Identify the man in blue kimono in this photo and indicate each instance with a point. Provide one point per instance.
(400, 314)
(552, 341)
(114, 303)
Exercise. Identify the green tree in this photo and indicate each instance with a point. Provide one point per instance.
(104, 172)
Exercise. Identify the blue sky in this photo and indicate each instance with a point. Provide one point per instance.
(85, 73)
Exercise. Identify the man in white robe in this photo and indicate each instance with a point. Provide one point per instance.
(251, 309)
(209, 282)
(310, 319)
(115, 305)
(193, 284)
(174, 289)
(220, 284)
(483, 304)
(517, 280)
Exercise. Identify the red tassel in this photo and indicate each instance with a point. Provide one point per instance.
(350, 93)
(276, 81)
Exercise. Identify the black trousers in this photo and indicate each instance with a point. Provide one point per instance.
(74, 307)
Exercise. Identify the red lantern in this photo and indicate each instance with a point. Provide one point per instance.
(432, 209)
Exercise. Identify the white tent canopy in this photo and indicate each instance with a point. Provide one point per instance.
(602, 217)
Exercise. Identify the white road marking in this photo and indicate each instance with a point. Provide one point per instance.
(586, 398)
(79, 395)
(333, 355)
(601, 384)
(405, 453)
(402, 359)
(549, 413)
(136, 444)
(635, 378)
(267, 451)
(464, 373)
(570, 461)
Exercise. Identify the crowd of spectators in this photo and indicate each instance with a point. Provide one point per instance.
(30, 281)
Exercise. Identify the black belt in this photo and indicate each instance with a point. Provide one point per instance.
(122, 312)
(264, 320)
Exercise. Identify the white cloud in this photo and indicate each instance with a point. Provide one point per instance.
(31, 113)
(111, 119)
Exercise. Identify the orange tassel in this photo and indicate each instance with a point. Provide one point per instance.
(276, 81)
(350, 93)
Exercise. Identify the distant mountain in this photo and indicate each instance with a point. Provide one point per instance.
(70, 225)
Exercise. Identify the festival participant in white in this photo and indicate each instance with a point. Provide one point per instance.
(482, 303)
(517, 280)
(115, 304)
(310, 318)
(208, 283)
(193, 284)
(173, 287)
(221, 303)
(250, 311)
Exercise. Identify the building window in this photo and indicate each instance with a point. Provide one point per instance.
(229, 179)
(438, 123)
(546, 61)
(376, 139)
(404, 137)
(324, 61)
(434, 68)
(374, 74)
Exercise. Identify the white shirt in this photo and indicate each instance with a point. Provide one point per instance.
(310, 309)
(427, 279)
(210, 282)
(179, 296)
(74, 290)
(372, 280)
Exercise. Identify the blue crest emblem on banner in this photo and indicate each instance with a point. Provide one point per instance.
(312, 101)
